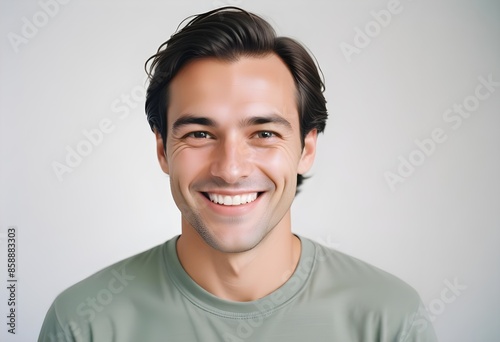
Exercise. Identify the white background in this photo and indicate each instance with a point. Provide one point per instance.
(440, 223)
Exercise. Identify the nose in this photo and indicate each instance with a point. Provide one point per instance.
(231, 160)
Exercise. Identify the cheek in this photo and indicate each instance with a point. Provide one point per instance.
(280, 164)
(185, 165)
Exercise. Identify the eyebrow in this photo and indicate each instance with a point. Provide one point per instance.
(270, 118)
(191, 119)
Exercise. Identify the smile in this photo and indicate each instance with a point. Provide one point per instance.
(232, 200)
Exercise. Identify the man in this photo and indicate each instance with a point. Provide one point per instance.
(236, 112)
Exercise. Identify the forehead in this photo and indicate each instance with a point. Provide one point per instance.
(247, 84)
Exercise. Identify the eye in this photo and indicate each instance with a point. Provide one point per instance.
(199, 135)
(265, 134)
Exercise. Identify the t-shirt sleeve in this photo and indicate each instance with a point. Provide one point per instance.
(51, 328)
(420, 328)
(54, 331)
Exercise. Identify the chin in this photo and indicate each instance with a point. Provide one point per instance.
(232, 243)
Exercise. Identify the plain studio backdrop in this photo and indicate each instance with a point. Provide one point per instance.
(406, 176)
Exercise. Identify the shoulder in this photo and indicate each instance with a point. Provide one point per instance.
(117, 277)
(370, 298)
(344, 271)
(107, 292)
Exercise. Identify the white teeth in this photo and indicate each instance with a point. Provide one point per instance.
(232, 200)
(236, 200)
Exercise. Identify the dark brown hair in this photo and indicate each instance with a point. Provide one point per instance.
(229, 33)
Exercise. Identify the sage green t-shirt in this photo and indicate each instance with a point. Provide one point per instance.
(149, 297)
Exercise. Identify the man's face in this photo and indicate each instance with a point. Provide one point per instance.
(233, 149)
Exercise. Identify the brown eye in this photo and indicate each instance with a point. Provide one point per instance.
(265, 134)
(199, 135)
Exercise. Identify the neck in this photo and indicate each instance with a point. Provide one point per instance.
(244, 276)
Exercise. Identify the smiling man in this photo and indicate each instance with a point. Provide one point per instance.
(236, 112)
(233, 152)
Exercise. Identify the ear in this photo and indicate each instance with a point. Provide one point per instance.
(161, 153)
(308, 152)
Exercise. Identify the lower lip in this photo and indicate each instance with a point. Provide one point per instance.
(232, 210)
